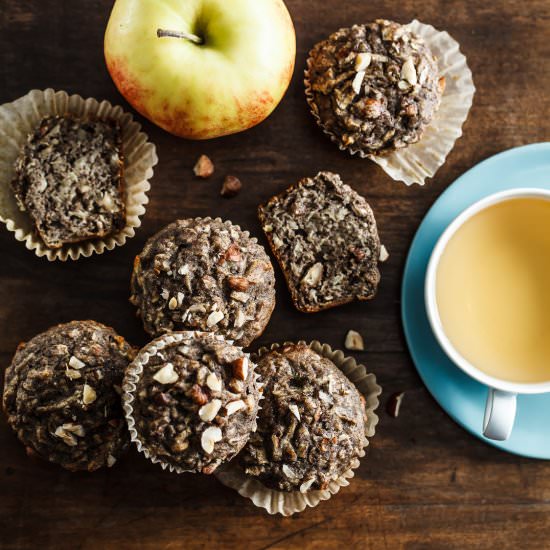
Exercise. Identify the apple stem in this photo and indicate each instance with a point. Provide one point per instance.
(163, 33)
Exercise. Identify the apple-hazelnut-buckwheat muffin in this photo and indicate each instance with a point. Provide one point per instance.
(61, 395)
(69, 179)
(311, 427)
(373, 88)
(325, 239)
(191, 400)
(204, 274)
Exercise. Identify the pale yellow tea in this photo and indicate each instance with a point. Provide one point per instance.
(493, 290)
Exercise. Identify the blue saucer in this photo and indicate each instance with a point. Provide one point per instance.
(460, 396)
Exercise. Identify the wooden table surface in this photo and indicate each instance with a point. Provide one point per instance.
(425, 482)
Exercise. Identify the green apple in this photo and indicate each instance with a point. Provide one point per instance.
(201, 68)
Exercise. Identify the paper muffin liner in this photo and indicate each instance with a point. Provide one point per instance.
(421, 160)
(21, 117)
(131, 378)
(288, 503)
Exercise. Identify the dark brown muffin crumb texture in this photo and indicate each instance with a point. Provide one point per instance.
(325, 238)
(196, 402)
(62, 395)
(206, 275)
(375, 87)
(69, 178)
(311, 426)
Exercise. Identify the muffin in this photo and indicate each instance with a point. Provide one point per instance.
(311, 427)
(204, 274)
(373, 88)
(61, 395)
(68, 178)
(191, 400)
(325, 239)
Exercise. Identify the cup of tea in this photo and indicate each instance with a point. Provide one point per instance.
(487, 294)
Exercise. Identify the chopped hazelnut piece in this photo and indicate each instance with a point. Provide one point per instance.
(234, 406)
(204, 167)
(208, 412)
(238, 283)
(240, 368)
(76, 363)
(230, 187)
(354, 341)
(213, 382)
(88, 395)
(166, 375)
(210, 437)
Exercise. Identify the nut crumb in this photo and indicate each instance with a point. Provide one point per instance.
(214, 318)
(213, 382)
(234, 406)
(306, 485)
(88, 395)
(354, 341)
(210, 437)
(72, 374)
(362, 61)
(394, 404)
(230, 187)
(238, 283)
(408, 71)
(76, 363)
(313, 275)
(166, 375)
(384, 254)
(240, 368)
(294, 410)
(358, 81)
(198, 395)
(204, 167)
(208, 412)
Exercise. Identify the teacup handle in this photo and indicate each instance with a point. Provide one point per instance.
(500, 413)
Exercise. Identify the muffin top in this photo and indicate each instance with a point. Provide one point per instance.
(194, 398)
(324, 235)
(311, 426)
(69, 179)
(204, 274)
(374, 87)
(62, 395)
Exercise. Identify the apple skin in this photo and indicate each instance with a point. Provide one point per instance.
(231, 82)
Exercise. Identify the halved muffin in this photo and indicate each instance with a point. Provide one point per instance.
(69, 178)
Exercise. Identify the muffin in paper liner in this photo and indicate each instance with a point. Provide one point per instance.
(244, 234)
(288, 503)
(421, 160)
(21, 117)
(129, 386)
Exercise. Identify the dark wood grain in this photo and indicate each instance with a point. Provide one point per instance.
(425, 482)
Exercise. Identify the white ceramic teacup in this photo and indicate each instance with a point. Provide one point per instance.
(500, 408)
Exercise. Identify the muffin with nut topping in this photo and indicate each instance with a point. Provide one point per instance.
(204, 274)
(373, 88)
(325, 238)
(311, 427)
(62, 395)
(191, 400)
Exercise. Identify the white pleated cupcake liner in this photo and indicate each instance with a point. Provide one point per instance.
(21, 117)
(131, 379)
(421, 160)
(289, 503)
